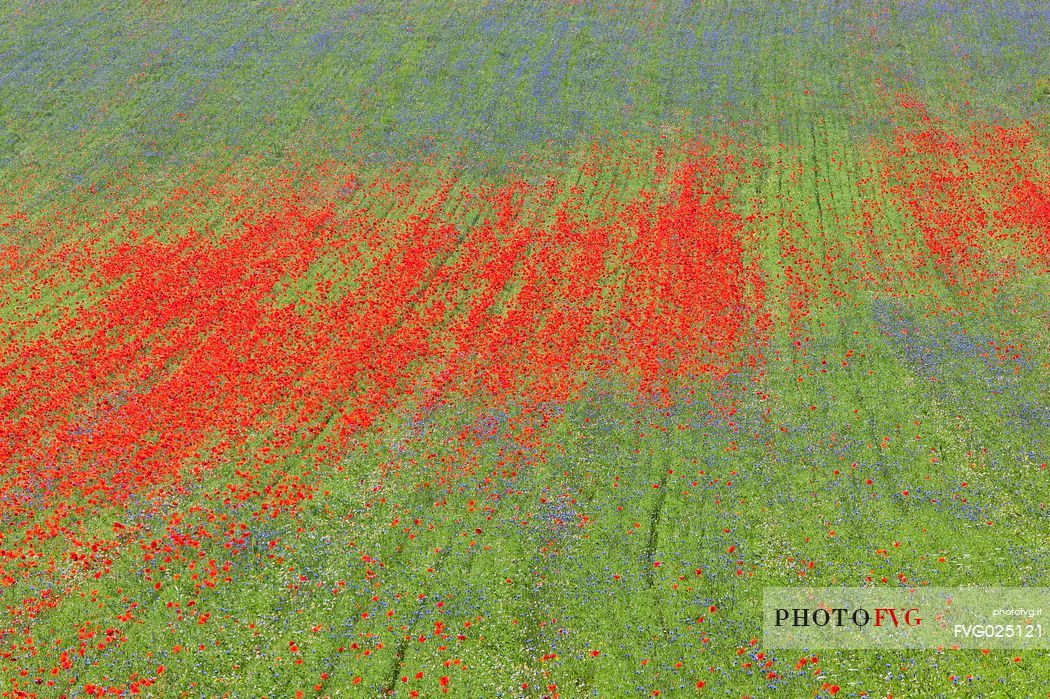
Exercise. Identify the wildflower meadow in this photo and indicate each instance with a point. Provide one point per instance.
(478, 348)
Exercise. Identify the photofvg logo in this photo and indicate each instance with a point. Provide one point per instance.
(839, 616)
(911, 618)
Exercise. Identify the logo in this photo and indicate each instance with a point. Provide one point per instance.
(906, 618)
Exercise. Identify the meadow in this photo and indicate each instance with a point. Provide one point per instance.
(511, 349)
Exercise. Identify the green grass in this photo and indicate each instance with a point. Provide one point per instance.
(564, 563)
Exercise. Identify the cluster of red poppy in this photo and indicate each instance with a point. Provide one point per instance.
(169, 340)
(253, 331)
(981, 200)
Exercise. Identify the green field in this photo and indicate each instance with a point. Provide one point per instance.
(514, 349)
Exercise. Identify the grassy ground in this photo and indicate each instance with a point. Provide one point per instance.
(356, 352)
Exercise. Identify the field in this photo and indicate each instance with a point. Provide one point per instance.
(512, 349)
